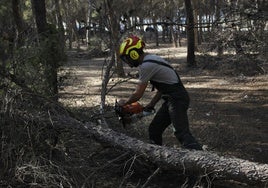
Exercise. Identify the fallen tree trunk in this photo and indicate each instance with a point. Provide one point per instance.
(197, 162)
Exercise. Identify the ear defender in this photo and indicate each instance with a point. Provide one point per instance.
(134, 55)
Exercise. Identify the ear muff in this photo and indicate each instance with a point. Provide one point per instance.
(134, 55)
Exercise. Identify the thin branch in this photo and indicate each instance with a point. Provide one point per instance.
(129, 171)
(150, 177)
(105, 81)
(104, 166)
(117, 83)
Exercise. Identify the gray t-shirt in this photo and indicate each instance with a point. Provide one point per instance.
(155, 72)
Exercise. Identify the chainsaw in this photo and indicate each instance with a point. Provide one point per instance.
(131, 113)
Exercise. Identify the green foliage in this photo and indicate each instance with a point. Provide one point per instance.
(5, 12)
(27, 10)
(4, 7)
(30, 68)
(52, 46)
(36, 64)
(26, 144)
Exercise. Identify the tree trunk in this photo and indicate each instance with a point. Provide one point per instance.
(190, 34)
(49, 55)
(156, 32)
(17, 15)
(174, 36)
(39, 9)
(219, 42)
(105, 81)
(195, 15)
(88, 23)
(60, 25)
(191, 162)
(114, 29)
(69, 28)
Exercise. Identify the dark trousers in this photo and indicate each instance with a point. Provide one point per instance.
(173, 110)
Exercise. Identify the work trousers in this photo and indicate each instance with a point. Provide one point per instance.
(173, 110)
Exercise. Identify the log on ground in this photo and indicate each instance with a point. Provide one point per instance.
(190, 161)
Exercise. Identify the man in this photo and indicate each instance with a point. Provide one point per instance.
(169, 87)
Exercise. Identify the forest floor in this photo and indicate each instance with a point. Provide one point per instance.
(228, 110)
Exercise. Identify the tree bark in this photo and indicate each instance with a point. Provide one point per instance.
(88, 23)
(114, 30)
(17, 15)
(69, 27)
(48, 38)
(191, 162)
(39, 9)
(190, 34)
(60, 25)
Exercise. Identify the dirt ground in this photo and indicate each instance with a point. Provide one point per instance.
(228, 110)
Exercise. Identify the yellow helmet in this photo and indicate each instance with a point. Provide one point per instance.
(131, 48)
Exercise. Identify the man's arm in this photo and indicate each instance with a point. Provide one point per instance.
(137, 94)
(154, 100)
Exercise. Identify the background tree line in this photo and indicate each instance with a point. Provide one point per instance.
(34, 34)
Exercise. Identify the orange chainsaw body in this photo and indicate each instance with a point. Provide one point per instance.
(133, 108)
(130, 113)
